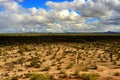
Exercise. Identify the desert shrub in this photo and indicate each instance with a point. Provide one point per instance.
(108, 78)
(76, 73)
(41, 77)
(114, 63)
(63, 74)
(94, 67)
(44, 60)
(19, 70)
(6, 79)
(37, 54)
(27, 75)
(46, 68)
(53, 64)
(58, 67)
(99, 56)
(92, 76)
(27, 47)
(14, 78)
(5, 74)
(20, 61)
(64, 54)
(35, 62)
(69, 66)
(84, 69)
(49, 52)
(59, 79)
(58, 59)
(116, 74)
(53, 57)
(118, 57)
(21, 51)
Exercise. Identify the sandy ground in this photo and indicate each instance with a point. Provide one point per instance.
(57, 59)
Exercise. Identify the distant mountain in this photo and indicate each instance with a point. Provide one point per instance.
(108, 32)
(111, 32)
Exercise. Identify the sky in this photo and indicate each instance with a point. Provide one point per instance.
(59, 16)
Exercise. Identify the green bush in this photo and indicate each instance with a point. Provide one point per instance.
(41, 77)
(35, 62)
(14, 78)
(92, 76)
(27, 48)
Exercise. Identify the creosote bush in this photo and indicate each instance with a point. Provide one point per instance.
(116, 74)
(35, 62)
(69, 66)
(41, 77)
(91, 76)
(76, 73)
(14, 78)
(46, 68)
(63, 74)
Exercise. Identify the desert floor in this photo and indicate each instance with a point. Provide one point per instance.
(63, 60)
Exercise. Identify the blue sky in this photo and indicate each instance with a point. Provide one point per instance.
(59, 16)
(37, 3)
(33, 3)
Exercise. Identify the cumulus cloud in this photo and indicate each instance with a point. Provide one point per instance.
(65, 5)
(17, 17)
(62, 16)
(89, 8)
(107, 10)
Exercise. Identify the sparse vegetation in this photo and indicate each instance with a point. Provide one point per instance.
(41, 77)
(53, 57)
(91, 76)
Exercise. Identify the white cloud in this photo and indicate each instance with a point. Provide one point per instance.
(65, 4)
(87, 8)
(10, 6)
(62, 17)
